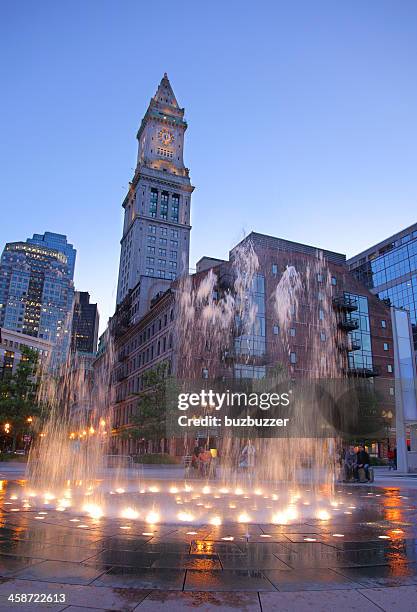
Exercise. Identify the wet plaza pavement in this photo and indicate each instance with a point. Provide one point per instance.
(363, 558)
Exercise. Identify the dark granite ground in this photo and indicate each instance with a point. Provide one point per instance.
(110, 565)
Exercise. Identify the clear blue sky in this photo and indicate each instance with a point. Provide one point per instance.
(302, 120)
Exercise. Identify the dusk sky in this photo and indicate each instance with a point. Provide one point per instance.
(302, 120)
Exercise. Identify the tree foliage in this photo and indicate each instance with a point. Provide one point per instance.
(149, 419)
(18, 393)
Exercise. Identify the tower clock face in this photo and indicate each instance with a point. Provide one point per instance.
(166, 137)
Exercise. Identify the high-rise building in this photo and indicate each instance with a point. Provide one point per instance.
(85, 321)
(156, 230)
(389, 270)
(58, 242)
(36, 295)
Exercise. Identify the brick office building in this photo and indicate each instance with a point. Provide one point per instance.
(334, 328)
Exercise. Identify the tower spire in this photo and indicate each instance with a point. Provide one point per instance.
(165, 94)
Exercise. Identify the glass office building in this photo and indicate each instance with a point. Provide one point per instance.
(389, 270)
(36, 295)
(58, 242)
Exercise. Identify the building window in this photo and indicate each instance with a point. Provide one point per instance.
(292, 331)
(173, 254)
(152, 229)
(162, 252)
(151, 239)
(334, 281)
(391, 390)
(164, 153)
(386, 346)
(164, 231)
(323, 336)
(161, 273)
(204, 373)
(174, 233)
(149, 271)
(151, 250)
(293, 357)
(275, 330)
(164, 205)
(175, 204)
(383, 324)
(174, 243)
(321, 314)
(163, 241)
(153, 203)
(274, 269)
(150, 261)
(389, 368)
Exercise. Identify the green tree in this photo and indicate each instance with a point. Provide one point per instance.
(18, 395)
(149, 420)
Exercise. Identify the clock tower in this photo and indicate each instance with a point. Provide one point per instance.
(156, 231)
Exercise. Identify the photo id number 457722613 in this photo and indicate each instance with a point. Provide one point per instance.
(36, 598)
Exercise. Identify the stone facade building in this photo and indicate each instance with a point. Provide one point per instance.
(156, 230)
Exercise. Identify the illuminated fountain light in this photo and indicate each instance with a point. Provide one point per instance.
(185, 516)
(224, 491)
(323, 515)
(228, 538)
(191, 533)
(310, 539)
(153, 489)
(74, 520)
(338, 535)
(152, 517)
(206, 490)
(173, 490)
(279, 518)
(120, 490)
(124, 527)
(188, 488)
(292, 513)
(39, 518)
(93, 510)
(232, 506)
(384, 537)
(244, 518)
(216, 520)
(258, 492)
(238, 491)
(129, 513)
(147, 533)
(265, 535)
(397, 531)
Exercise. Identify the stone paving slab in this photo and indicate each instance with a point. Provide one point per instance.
(204, 601)
(399, 599)
(309, 580)
(227, 580)
(317, 601)
(142, 578)
(103, 598)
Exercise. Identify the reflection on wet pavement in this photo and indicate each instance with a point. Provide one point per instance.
(375, 546)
